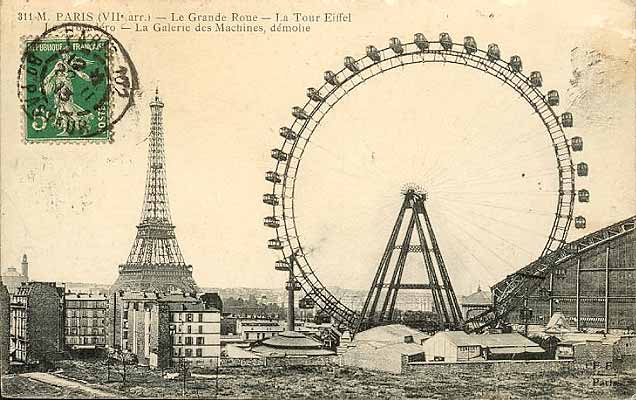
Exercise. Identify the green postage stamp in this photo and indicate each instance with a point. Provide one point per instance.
(75, 82)
(70, 90)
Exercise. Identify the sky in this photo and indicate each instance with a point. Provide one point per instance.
(472, 143)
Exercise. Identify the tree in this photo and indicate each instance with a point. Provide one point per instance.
(123, 356)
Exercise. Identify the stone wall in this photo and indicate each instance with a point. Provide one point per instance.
(485, 367)
(316, 361)
(594, 354)
(242, 362)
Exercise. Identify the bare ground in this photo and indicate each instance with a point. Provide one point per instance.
(337, 382)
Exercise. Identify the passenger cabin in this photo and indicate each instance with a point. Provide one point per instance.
(314, 95)
(373, 53)
(581, 169)
(579, 222)
(271, 199)
(295, 283)
(577, 143)
(350, 64)
(515, 64)
(299, 113)
(275, 244)
(566, 120)
(493, 52)
(271, 222)
(331, 78)
(470, 45)
(306, 303)
(553, 98)
(421, 42)
(584, 196)
(272, 176)
(288, 133)
(446, 41)
(281, 265)
(396, 46)
(536, 79)
(279, 155)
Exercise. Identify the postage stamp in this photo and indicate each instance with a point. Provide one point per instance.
(75, 82)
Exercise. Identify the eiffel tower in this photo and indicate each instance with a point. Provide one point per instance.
(155, 262)
(379, 305)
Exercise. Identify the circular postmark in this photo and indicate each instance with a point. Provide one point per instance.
(75, 82)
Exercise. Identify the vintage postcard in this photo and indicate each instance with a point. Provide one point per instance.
(318, 199)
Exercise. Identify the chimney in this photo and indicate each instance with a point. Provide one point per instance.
(25, 267)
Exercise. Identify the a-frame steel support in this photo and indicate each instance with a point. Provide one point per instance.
(385, 293)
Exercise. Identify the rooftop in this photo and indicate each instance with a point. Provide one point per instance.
(558, 324)
(11, 272)
(390, 334)
(460, 338)
(505, 340)
(85, 296)
(290, 343)
(198, 307)
(290, 340)
(479, 298)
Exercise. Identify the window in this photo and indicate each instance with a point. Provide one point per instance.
(199, 353)
(179, 351)
(179, 340)
(125, 334)
(125, 314)
(189, 328)
(200, 328)
(188, 340)
(200, 317)
(188, 353)
(200, 340)
(189, 317)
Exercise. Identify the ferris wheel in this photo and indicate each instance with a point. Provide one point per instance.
(398, 56)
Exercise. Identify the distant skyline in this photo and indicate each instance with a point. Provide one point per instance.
(73, 209)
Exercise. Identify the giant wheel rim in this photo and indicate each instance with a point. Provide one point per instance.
(346, 80)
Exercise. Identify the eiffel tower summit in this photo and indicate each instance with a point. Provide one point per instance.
(155, 262)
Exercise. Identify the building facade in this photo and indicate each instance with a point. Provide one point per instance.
(594, 287)
(84, 321)
(160, 330)
(36, 322)
(253, 329)
(452, 346)
(5, 317)
(616, 352)
(196, 334)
